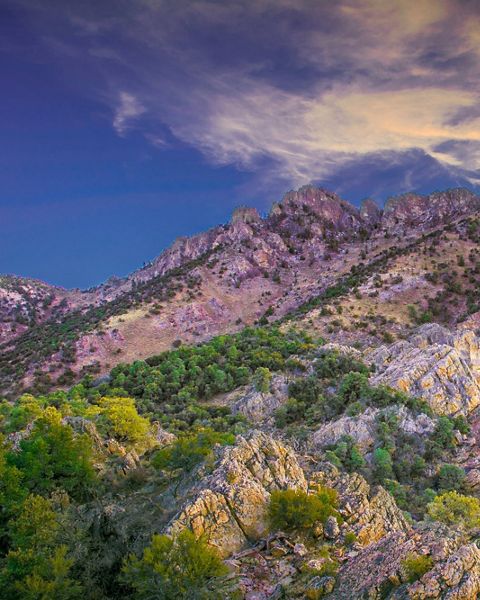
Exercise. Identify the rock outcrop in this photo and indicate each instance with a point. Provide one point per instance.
(370, 512)
(230, 509)
(363, 428)
(378, 571)
(456, 578)
(259, 407)
(441, 367)
(414, 210)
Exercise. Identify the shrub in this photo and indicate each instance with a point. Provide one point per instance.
(415, 566)
(37, 565)
(453, 508)
(450, 477)
(307, 390)
(461, 424)
(190, 450)
(176, 568)
(261, 379)
(332, 365)
(296, 510)
(353, 387)
(53, 456)
(350, 538)
(382, 465)
(121, 420)
(346, 453)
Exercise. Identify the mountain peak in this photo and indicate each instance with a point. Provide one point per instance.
(245, 214)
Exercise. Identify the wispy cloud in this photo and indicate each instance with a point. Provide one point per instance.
(128, 109)
(305, 88)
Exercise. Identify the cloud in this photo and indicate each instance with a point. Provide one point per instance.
(128, 109)
(296, 89)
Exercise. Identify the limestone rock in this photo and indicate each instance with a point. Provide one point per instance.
(259, 407)
(415, 210)
(456, 578)
(231, 507)
(377, 571)
(331, 528)
(441, 367)
(163, 437)
(363, 428)
(370, 512)
(321, 585)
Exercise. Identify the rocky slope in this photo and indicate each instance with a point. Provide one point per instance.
(229, 509)
(383, 420)
(260, 269)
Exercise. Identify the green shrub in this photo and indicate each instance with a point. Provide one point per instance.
(189, 450)
(261, 379)
(353, 387)
(120, 419)
(453, 508)
(332, 365)
(296, 510)
(450, 477)
(346, 454)
(350, 538)
(175, 569)
(53, 456)
(415, 566)
(382, 465)
(37, 565)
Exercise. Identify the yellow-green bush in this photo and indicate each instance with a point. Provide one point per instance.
(296, 510)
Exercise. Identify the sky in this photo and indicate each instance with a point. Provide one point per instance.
(127, 123)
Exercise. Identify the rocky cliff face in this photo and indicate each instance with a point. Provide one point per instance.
(231, 506)
(439, 366)
(413, 210)
(229, 509)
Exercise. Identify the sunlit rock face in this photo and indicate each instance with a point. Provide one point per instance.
(363, 428)
(441, 367)
(231, 508)
(369, 511)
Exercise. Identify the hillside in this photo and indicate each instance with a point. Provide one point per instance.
(278, 408)
(258, 270)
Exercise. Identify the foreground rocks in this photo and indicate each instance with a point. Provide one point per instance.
(368, 511)
(231, 508)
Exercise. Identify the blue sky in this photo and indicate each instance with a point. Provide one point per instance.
(126, 124)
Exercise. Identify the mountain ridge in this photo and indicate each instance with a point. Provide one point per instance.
(250, 269)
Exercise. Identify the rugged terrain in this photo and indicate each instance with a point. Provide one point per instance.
(373, 273)
(284, 407)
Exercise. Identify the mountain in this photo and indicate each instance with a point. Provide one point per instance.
(247, 271)
(280, 407)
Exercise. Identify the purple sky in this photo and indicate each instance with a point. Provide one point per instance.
(127, 123)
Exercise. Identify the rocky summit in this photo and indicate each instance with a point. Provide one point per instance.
(285, 406)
